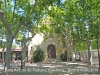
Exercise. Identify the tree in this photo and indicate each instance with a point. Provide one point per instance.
(80, 17)
(32, 25)
(2, 40)
(10, 34)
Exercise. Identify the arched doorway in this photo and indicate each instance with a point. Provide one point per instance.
(51, 51)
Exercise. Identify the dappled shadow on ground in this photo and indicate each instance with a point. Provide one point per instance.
(56, 68)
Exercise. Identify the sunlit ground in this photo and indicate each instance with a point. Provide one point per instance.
(54, 68)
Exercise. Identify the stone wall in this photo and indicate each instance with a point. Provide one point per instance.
(45, 43)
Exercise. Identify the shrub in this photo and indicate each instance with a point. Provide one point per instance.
(63, 56)
(38, 55)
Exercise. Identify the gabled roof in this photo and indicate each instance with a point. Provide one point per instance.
(13, 49)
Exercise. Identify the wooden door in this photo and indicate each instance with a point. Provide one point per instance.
(51, 51)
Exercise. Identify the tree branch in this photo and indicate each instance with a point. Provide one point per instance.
(17, 30)
(36, 3)
(5, 23)
(82, 39)
(13, 12)
(28, 39)
(28, 28)
(64, 33)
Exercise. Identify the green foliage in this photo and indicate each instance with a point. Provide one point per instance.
(14, 46)
(81, 46)
(63, 56)
(13, 55)
(38, 55)
(19, 37)
(83, 19)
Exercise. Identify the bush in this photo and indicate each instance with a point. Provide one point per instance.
(38, 55)
(63, 56)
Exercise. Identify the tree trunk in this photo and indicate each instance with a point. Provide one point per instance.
(89, 52)
(3, 54)
(8, 52)
(23, 53)
(73, 51)
(98, 49)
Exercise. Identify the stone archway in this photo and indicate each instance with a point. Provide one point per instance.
(51, 51)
